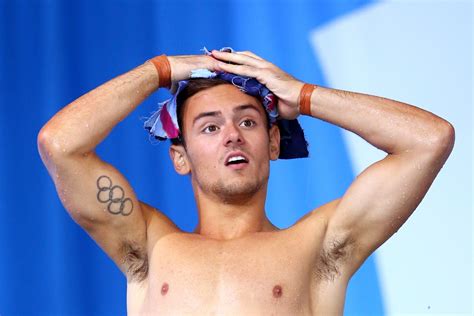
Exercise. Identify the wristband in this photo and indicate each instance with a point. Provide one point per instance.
(305, 98)
(163, 68)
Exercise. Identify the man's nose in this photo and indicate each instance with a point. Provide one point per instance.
(233, 135)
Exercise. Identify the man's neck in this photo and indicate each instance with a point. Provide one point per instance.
(225, 221)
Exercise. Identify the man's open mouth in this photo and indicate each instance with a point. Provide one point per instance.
(236, 160)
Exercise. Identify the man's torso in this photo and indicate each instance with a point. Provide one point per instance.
(285, 272)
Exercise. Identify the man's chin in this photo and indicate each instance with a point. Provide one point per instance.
(236, 192)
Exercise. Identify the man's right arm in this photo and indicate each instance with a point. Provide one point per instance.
(95, 194)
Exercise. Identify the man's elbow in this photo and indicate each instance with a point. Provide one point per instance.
(443, 138)
(49, 145)
(46, 141)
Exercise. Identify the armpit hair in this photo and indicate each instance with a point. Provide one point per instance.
(332, 255)
(135, 260)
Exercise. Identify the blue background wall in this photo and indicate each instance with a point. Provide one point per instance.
(51, 52)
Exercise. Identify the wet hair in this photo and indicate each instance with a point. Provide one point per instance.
(194, 86)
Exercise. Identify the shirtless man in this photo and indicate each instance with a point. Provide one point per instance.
(236, 262)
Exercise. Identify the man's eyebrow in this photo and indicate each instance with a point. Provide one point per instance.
(238, 108)
(243, 107)
(206, 114)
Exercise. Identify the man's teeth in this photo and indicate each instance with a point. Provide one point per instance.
(236, 158)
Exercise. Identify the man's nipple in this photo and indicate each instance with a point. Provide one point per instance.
(164, 288)
(277, 291)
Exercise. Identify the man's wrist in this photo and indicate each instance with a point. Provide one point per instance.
(304, 99)
(163, 69)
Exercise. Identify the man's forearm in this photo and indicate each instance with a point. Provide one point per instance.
(389, 125)
(83, 124)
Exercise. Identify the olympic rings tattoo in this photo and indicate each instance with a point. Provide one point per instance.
(114, 195)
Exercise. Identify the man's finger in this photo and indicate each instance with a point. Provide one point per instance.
(250, 54)
(240, 59)
(242, 70)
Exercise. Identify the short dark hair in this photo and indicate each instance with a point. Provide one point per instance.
(194, 86)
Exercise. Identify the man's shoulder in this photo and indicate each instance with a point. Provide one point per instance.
(319, 215)
(311, 229)
(158, 224)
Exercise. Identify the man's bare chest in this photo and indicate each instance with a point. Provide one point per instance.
(268, 269)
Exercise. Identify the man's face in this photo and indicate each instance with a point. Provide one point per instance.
(228, 145)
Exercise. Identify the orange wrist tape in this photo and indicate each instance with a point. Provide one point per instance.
(305, 98)
(163, 68)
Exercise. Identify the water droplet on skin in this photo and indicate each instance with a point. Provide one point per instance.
(87, 125)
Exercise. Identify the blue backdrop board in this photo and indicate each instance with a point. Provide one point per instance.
(51, 52)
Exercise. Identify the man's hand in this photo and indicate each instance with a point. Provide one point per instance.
(181, 66)
(283, 85)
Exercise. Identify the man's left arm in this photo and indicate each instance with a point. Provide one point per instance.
(385, 194)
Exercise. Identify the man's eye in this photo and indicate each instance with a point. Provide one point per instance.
(210, 129)
(248, 123)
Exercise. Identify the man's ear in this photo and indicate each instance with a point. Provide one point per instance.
(179, 159)
(274, 134)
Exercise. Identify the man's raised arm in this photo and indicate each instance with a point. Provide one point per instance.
(95, 194)
(384, 195)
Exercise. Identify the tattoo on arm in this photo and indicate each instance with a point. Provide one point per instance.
(114, 196)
